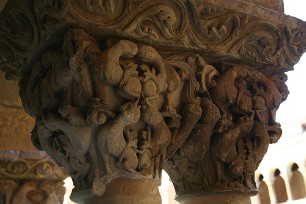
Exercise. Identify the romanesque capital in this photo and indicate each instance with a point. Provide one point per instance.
(30, 177)
(123, 89)
(111, 109)
(232, 136)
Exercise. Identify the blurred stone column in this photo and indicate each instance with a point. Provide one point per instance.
(30, 177)
(26, 175)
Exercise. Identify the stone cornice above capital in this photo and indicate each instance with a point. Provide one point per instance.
(235, 31)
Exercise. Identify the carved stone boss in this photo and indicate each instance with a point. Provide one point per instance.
(127, 88)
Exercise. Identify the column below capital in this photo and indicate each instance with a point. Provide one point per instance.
(126, 190)
(216, 198)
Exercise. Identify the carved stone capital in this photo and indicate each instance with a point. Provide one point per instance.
(227, 144)
(30, 177)
(122, 89)
(111, 109)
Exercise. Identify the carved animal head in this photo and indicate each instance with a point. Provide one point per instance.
(148, 54)
(130, 112)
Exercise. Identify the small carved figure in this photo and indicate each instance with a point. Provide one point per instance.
(223, 145)
(166, 78)
(111, 142)
(191, 114)
(80, 137)
(262, 141)
(225, 94)
(244, 97)
(161, 135)
(106, 65)
(198, 143)
(144, 153)
(109, 70)
(127, 158)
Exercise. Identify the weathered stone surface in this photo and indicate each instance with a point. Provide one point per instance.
(30, 177)
(15, 124)
(131, 191)
(219, 30)
(15, 129)
(122, 89)
(229, 141)
(111, 109)
(219, 198)
(277, 5)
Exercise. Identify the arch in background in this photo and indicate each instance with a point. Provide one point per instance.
(296, 183)
(279, 187)
(264, 196)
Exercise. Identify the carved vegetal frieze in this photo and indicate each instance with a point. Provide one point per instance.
(30, 177)
(29, 165)
(35, 191)
(219, 29)
(233, 134)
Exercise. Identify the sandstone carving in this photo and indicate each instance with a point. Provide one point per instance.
(109, 112)
(254, 36)
(232, 136)
(30, 177)
(123, 89)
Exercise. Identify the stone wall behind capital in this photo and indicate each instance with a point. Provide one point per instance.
(15, 124)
